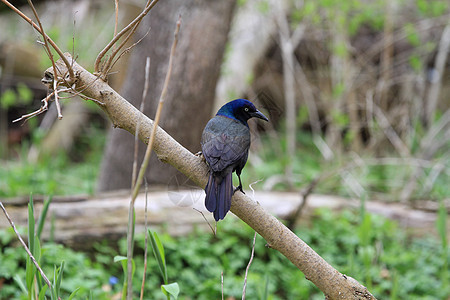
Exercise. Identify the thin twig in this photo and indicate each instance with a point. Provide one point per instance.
(138, 125)
(248, 267)
(46, 47)
(304, 194)
(58, 107)
(131, 25)
(116, 21)
(127, 50)
(390, 132)
(146, 240)
(43, 108)
(207, 222)
(221, 282)
(49, 284)
(146, 161)
(107, 66)
(251, 187)
(46, 37)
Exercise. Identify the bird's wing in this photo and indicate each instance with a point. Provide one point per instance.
(225, 144)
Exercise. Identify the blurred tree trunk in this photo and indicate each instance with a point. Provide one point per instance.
(189, 102)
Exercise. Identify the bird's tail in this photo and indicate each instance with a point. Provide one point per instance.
(218, 195)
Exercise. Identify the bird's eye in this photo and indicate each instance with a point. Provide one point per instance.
(246, 109)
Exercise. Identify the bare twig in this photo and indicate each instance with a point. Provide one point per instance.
(45, 36)
(46, 47)
(116, 21)
(248, 267)
(43, 108)
(390, 132)
(146, 241)
(207, 222)
(127, 50)
(131, 26)
(144, 164)
(221, 282)
(141, 109)
(304, 194)
(58, 106)
(49, 284)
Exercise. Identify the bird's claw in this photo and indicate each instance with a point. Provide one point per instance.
(200, 154)
(238, 188)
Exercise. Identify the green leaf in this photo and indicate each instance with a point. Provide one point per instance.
(172, 289)
(37, 250)
(7, 99)
(441, 224)
(42, 292)
(118, 258)
(42, 217)
(58, 278)
(20, 283)
(411, 35)
(25, 94)
(30, 271)
(74, 293)
(123, 260)
(158, 252)
(415, 62)
(338, 90)
(364, 230)
(31, 225)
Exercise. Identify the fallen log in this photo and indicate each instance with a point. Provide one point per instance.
(80, 221)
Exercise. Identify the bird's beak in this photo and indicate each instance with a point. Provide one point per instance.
(259, 115)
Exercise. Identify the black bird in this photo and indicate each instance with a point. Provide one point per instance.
(225, 143)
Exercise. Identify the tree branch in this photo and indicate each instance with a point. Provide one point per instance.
(124, 115)
(45, 36)
(131, 26)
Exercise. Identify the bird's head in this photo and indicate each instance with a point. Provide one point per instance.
(241, 110)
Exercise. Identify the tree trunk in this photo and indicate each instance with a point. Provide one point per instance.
(189, 102)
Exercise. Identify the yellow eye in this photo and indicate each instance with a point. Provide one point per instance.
(246, 109)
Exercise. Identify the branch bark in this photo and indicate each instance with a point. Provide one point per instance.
(124, 115)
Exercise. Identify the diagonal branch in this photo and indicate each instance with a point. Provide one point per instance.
(124, 115)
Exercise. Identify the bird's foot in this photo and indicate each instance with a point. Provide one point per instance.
(239, 188)
(200, 154)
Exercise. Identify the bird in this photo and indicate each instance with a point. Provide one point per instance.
(225, 143)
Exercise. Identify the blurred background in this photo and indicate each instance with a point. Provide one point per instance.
(358, 97)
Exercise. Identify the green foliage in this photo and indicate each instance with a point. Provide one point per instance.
(432, 8)
(22, 96)
(35, 287)
(8, 99)
(56, 175)
(379, 180)
(171, 290)
(371, 249)
(123, 261)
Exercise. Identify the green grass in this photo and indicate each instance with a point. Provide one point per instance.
(375, 251)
